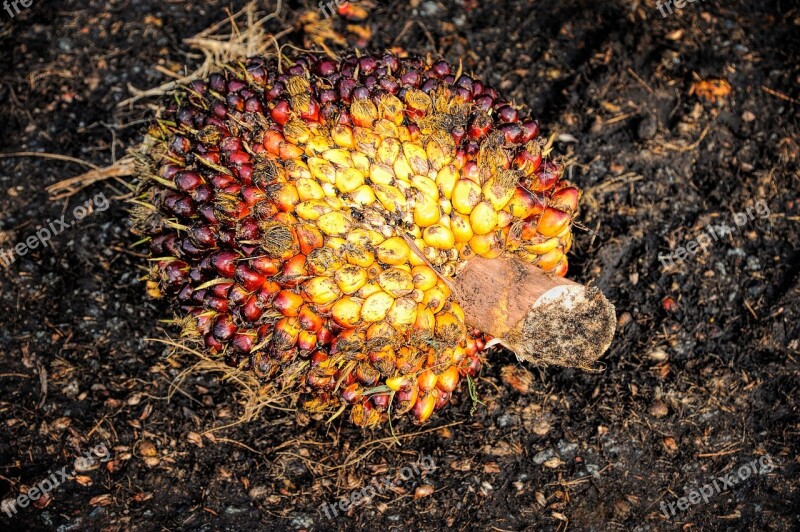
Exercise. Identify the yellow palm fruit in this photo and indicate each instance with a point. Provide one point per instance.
(312, 209)
(439, 154)
(541, 245)
(296, 169)
(350, 278)
(359, 255)
(414, 259)
(446, 206)
(334, 223)
(445, 221)
(425, 324)
(336, 244)
(388, 151)
(391, 107)
(466, 196)
(368, 289)
(376, 306)
(381, 174)
(438, 236)
(390, 197)
(403, 314)
(416, 157)
(385, 129)
(449, 328)
(489, 246)
(523, 204)
(426, 212)
(363, 112)
(342, 136)
(457, 311)
(374, 270)
(324, 261)
(424, 277)
(393, 251)
(309, 189)
(426, 186)
(329, 189)
(435, 298)
(504, 219)
(446, 180)
(335, 202)
(566, 241)
(296, 131)
(364, 237)
(396, 282)
(483, 218)
(461, 227)
(362, 196)
(360, 161)
(317, 145)
(448, 379)
(348, 179)
(423, 408)
(321, 290)
(402, 169)
(550, 260)
(497, 194)
(321, 169)
(346, 312)
(379, 335)
(338, 156)
(367, 141)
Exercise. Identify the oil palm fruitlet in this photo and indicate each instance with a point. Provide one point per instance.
(308, 219)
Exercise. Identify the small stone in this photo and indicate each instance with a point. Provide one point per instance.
(658, 409)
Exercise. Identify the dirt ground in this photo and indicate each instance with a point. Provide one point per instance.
(702, 379)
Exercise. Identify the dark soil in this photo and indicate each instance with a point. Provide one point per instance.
(701, 379)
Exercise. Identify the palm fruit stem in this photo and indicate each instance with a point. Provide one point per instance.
(544, 319)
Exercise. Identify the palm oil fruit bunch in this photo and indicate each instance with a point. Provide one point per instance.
(307, 217)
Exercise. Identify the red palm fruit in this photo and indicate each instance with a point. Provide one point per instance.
(381, 401)
(244, 341)
(470, 366)
(266, 265)
(281, 112)
(309, 320)
(306, 341)
(309, 238)
(250, 279)
(294, 271)
(285, 334)
(288, 303)
(442, 400)
(424, 406)
(238, 295)
(406, 399)
(224, 327)
(352, 393)
(565, 199)
(252, 310)
(552, 222)
(324, 336)
(367, 375)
